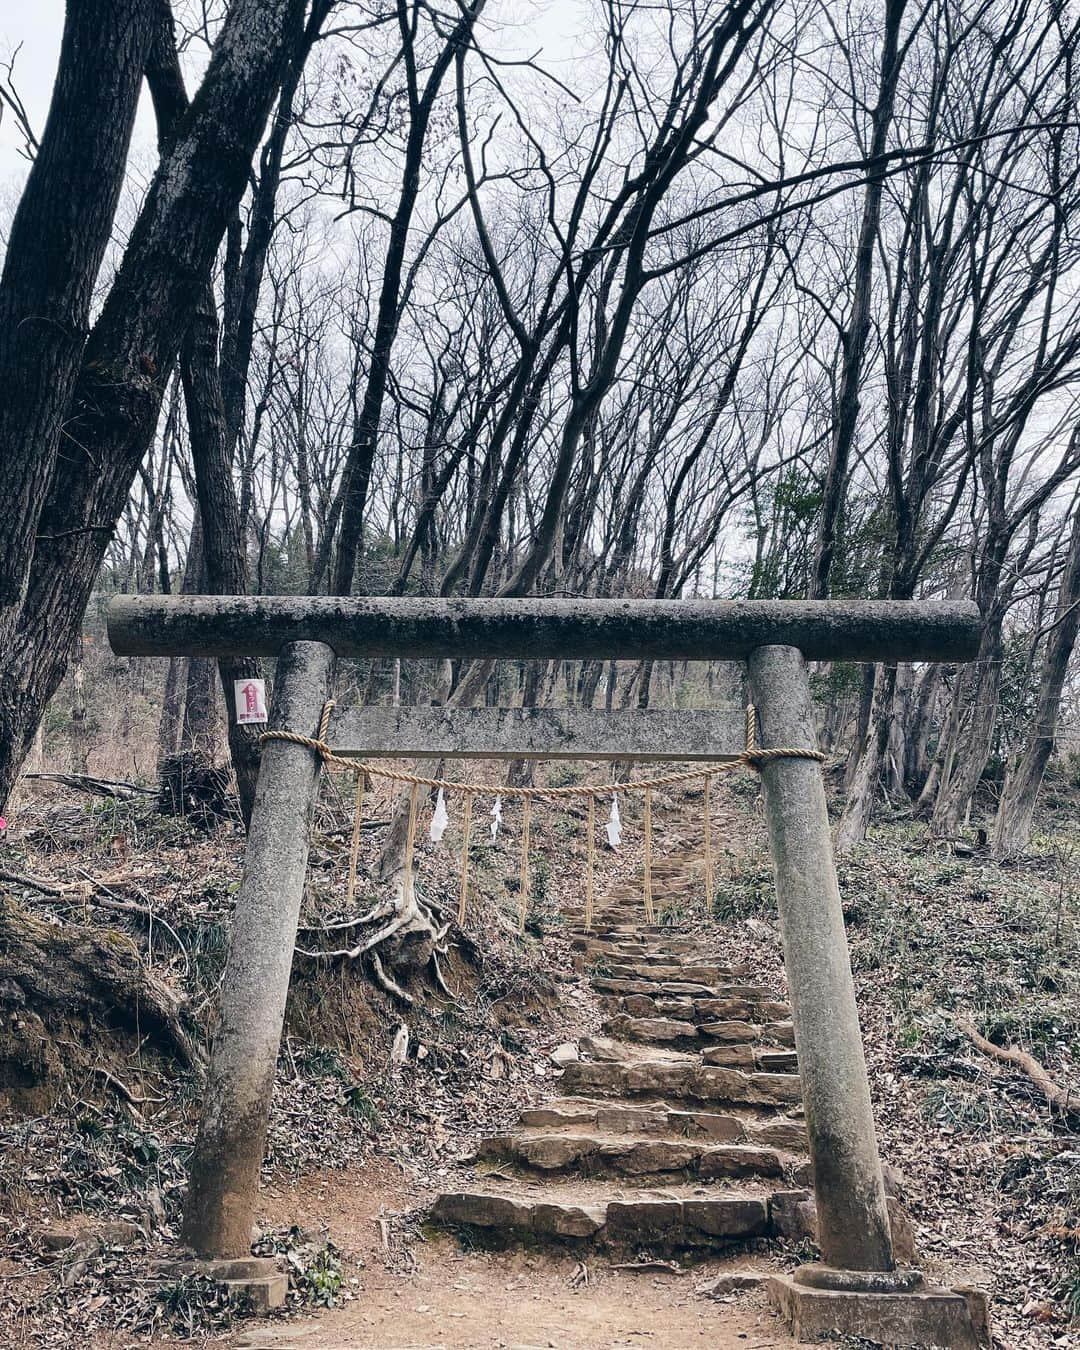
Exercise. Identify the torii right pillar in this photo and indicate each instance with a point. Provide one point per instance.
(857, 1288)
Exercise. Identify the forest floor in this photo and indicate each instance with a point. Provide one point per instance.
(358, 1144)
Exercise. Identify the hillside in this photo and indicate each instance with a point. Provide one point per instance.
(97, 1120)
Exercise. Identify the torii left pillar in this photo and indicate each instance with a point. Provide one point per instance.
(229, 1149)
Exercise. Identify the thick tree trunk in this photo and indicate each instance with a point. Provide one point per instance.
(923, 704)
(54, 249)
(860, 801)
(966, 758)
(118, 393)
(1016, 810)
(219, 511)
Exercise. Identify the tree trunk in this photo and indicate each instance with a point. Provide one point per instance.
(222, 543)
(114, 408)
(54, 250)
(966, 758)
(860, 801)
(1016, 810)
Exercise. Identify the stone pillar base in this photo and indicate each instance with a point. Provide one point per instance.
(919, 1314)
(258, 1278)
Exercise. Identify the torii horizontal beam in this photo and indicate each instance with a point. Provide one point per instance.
(542, 629)
(637, 734)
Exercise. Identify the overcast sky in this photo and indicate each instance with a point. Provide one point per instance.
(521, 27)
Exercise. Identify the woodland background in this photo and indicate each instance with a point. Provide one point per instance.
(762, 299)
(688, 298)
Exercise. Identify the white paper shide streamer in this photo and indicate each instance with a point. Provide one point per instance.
(614, 825)
(439, 819)
(496, 818)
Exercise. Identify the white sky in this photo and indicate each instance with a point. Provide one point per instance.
(552, 28)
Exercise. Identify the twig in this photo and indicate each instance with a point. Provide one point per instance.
(1060, 1098)
(122, 1090)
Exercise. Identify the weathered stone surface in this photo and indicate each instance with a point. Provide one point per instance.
(732, 1282)
(925, 1317)
(712, 1125)
(741, 1009)
(480, 1210)
(57, 1237)
(652, 1030)
(564, 1054)
(730, 1056)
(731, 1085)
(605, 984)
(740, 1160)
(648, 1157)
(562, 1113)
(738, 1031)
(645, 1221)
(731, 1217)
(777, 1061)
(789, 1135)
(792, 1215)
(624, 1119)
(574, 1221)
(605, 1048)
(639, 1005)
(264, 1293)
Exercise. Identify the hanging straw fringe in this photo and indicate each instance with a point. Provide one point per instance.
(650, 914)
(526, 827)
(354, 849)
(466, 835)
(753, 756)
(590, 868)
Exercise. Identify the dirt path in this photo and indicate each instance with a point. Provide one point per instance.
(437, 1293)
(521, 1300)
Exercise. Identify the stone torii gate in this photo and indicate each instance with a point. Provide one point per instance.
(773, 638)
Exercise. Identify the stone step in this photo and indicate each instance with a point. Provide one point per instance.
(678, 988)
(660, 974)
(647, 1118)
(626, 1155)
(668, 1219)
(686, 1009)
(681, 1078)
(687, 1035)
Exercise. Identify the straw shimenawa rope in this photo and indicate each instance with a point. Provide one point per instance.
(752, 756)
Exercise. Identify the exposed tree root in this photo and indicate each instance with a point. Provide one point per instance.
(406, 914)
(73, 970)
(1059, 1098)
(385, 983)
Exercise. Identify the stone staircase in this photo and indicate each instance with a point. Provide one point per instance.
(680, 1126)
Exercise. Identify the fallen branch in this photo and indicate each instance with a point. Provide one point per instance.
(1059, 1098)
(97, 787)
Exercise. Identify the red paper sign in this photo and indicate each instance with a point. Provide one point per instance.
(250, 698)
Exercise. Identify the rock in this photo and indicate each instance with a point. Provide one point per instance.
(731, 1283)
(903, 1232)
(793, 1215)
(604, 1048)
(58, 1237)
(735, 1031)
(564, 1054)
(740, 1160)
(730, 1056)
(732, 1217)
(782, 1133)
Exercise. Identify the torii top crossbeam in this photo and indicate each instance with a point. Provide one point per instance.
(669, 630)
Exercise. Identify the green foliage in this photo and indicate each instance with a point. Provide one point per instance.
(313, 1264)
(196, 1303)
